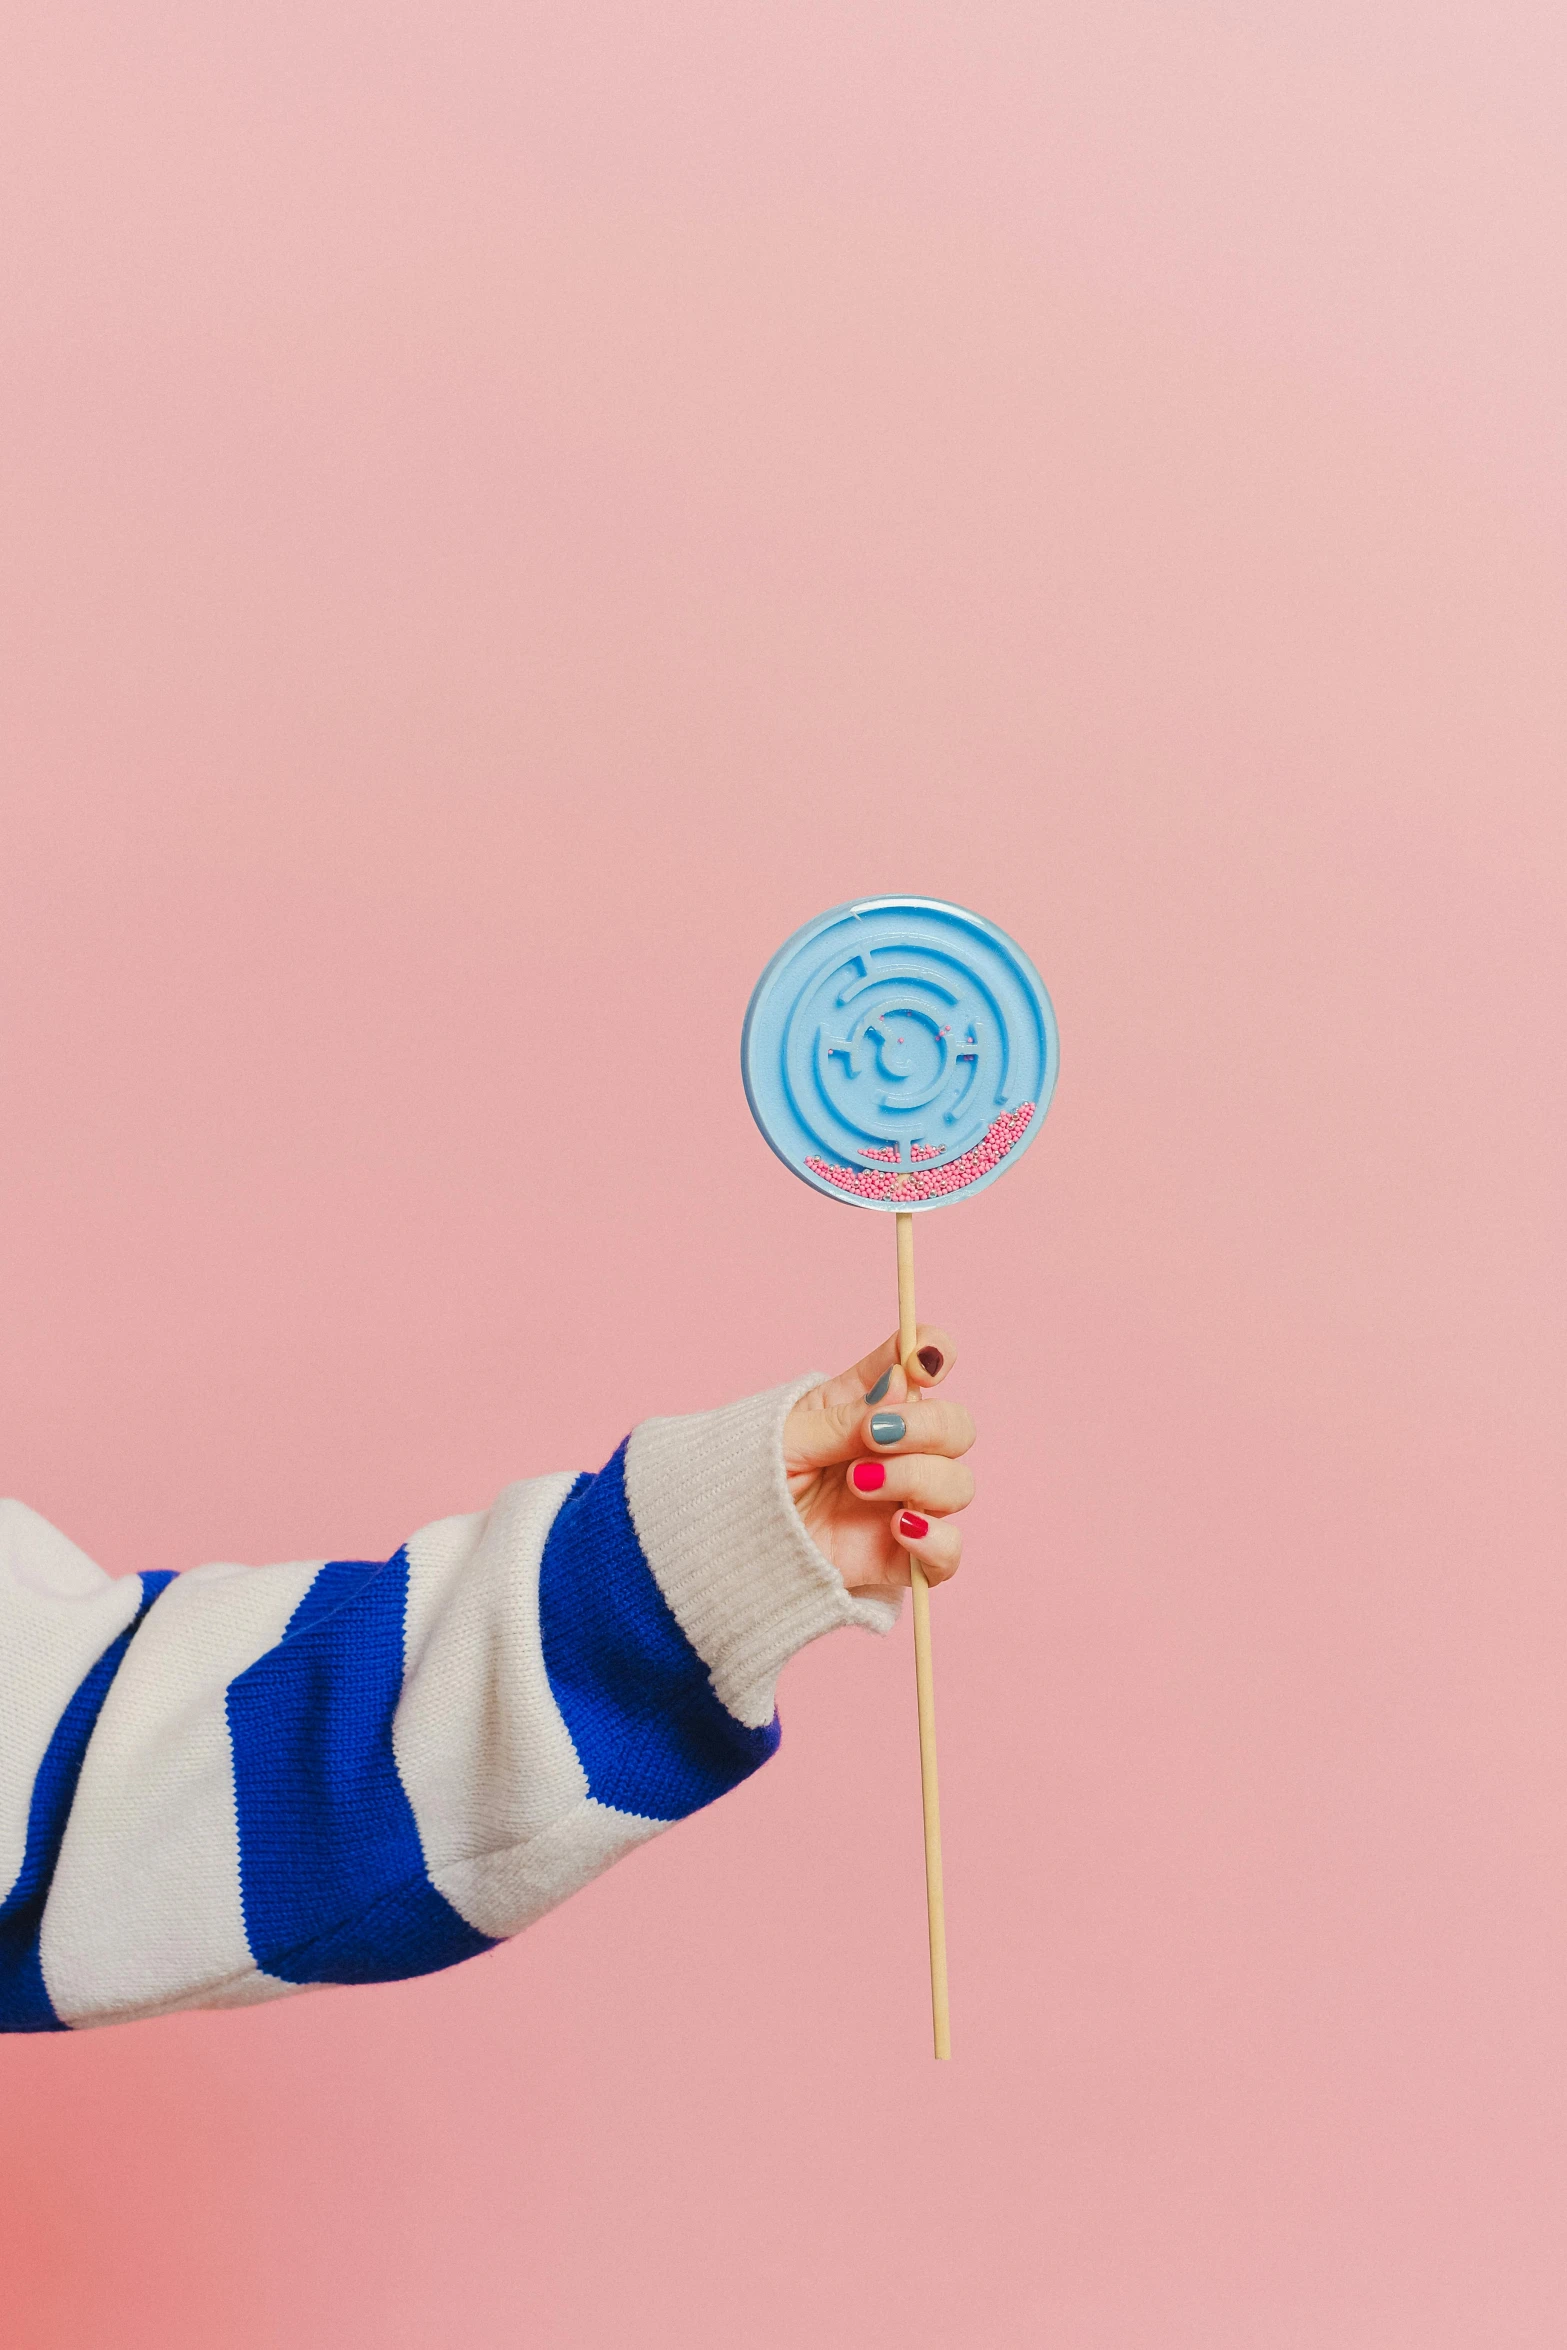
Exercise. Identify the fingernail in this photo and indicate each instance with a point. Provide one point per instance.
(887, 1428)
(913, 1525)
(868, 1476)
(931, 1360)
(881, 1387)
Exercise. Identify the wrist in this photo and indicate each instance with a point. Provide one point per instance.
(710, 1501)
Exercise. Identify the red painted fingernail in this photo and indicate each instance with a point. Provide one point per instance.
(931, 1359)
(913, 1526)
(867, 1476)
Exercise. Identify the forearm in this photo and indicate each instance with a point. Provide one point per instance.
(343, 1772)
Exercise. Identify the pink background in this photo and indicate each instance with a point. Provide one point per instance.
(511, 509)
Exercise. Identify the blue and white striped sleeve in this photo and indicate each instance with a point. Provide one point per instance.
(221, 1787)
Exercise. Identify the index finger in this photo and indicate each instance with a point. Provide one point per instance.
(918, 1427)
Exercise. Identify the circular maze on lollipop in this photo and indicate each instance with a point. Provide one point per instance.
(899, 1052)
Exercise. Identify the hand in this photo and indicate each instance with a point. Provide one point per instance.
(859, 1523)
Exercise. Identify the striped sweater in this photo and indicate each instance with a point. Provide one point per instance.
(221, 1787)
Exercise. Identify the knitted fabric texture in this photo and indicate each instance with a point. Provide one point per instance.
(227, 1786)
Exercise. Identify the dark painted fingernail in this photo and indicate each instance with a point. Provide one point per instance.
(887, 1428)
(868, 1476)
(931, 1360)
(913, 1525)
(881, 1387)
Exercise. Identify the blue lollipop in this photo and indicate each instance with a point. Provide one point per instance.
(897, 1053)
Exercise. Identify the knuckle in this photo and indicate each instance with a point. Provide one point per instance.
(954, 1428)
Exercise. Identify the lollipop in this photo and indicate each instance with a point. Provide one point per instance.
(899, 1053)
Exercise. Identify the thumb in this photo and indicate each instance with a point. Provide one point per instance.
(826, 1426)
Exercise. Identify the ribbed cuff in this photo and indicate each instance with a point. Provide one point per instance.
(748, 1586)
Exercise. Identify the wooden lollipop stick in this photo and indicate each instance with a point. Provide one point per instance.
(924, 1683)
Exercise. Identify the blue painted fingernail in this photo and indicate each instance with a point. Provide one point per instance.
(880, 1388)
(887, 1428)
